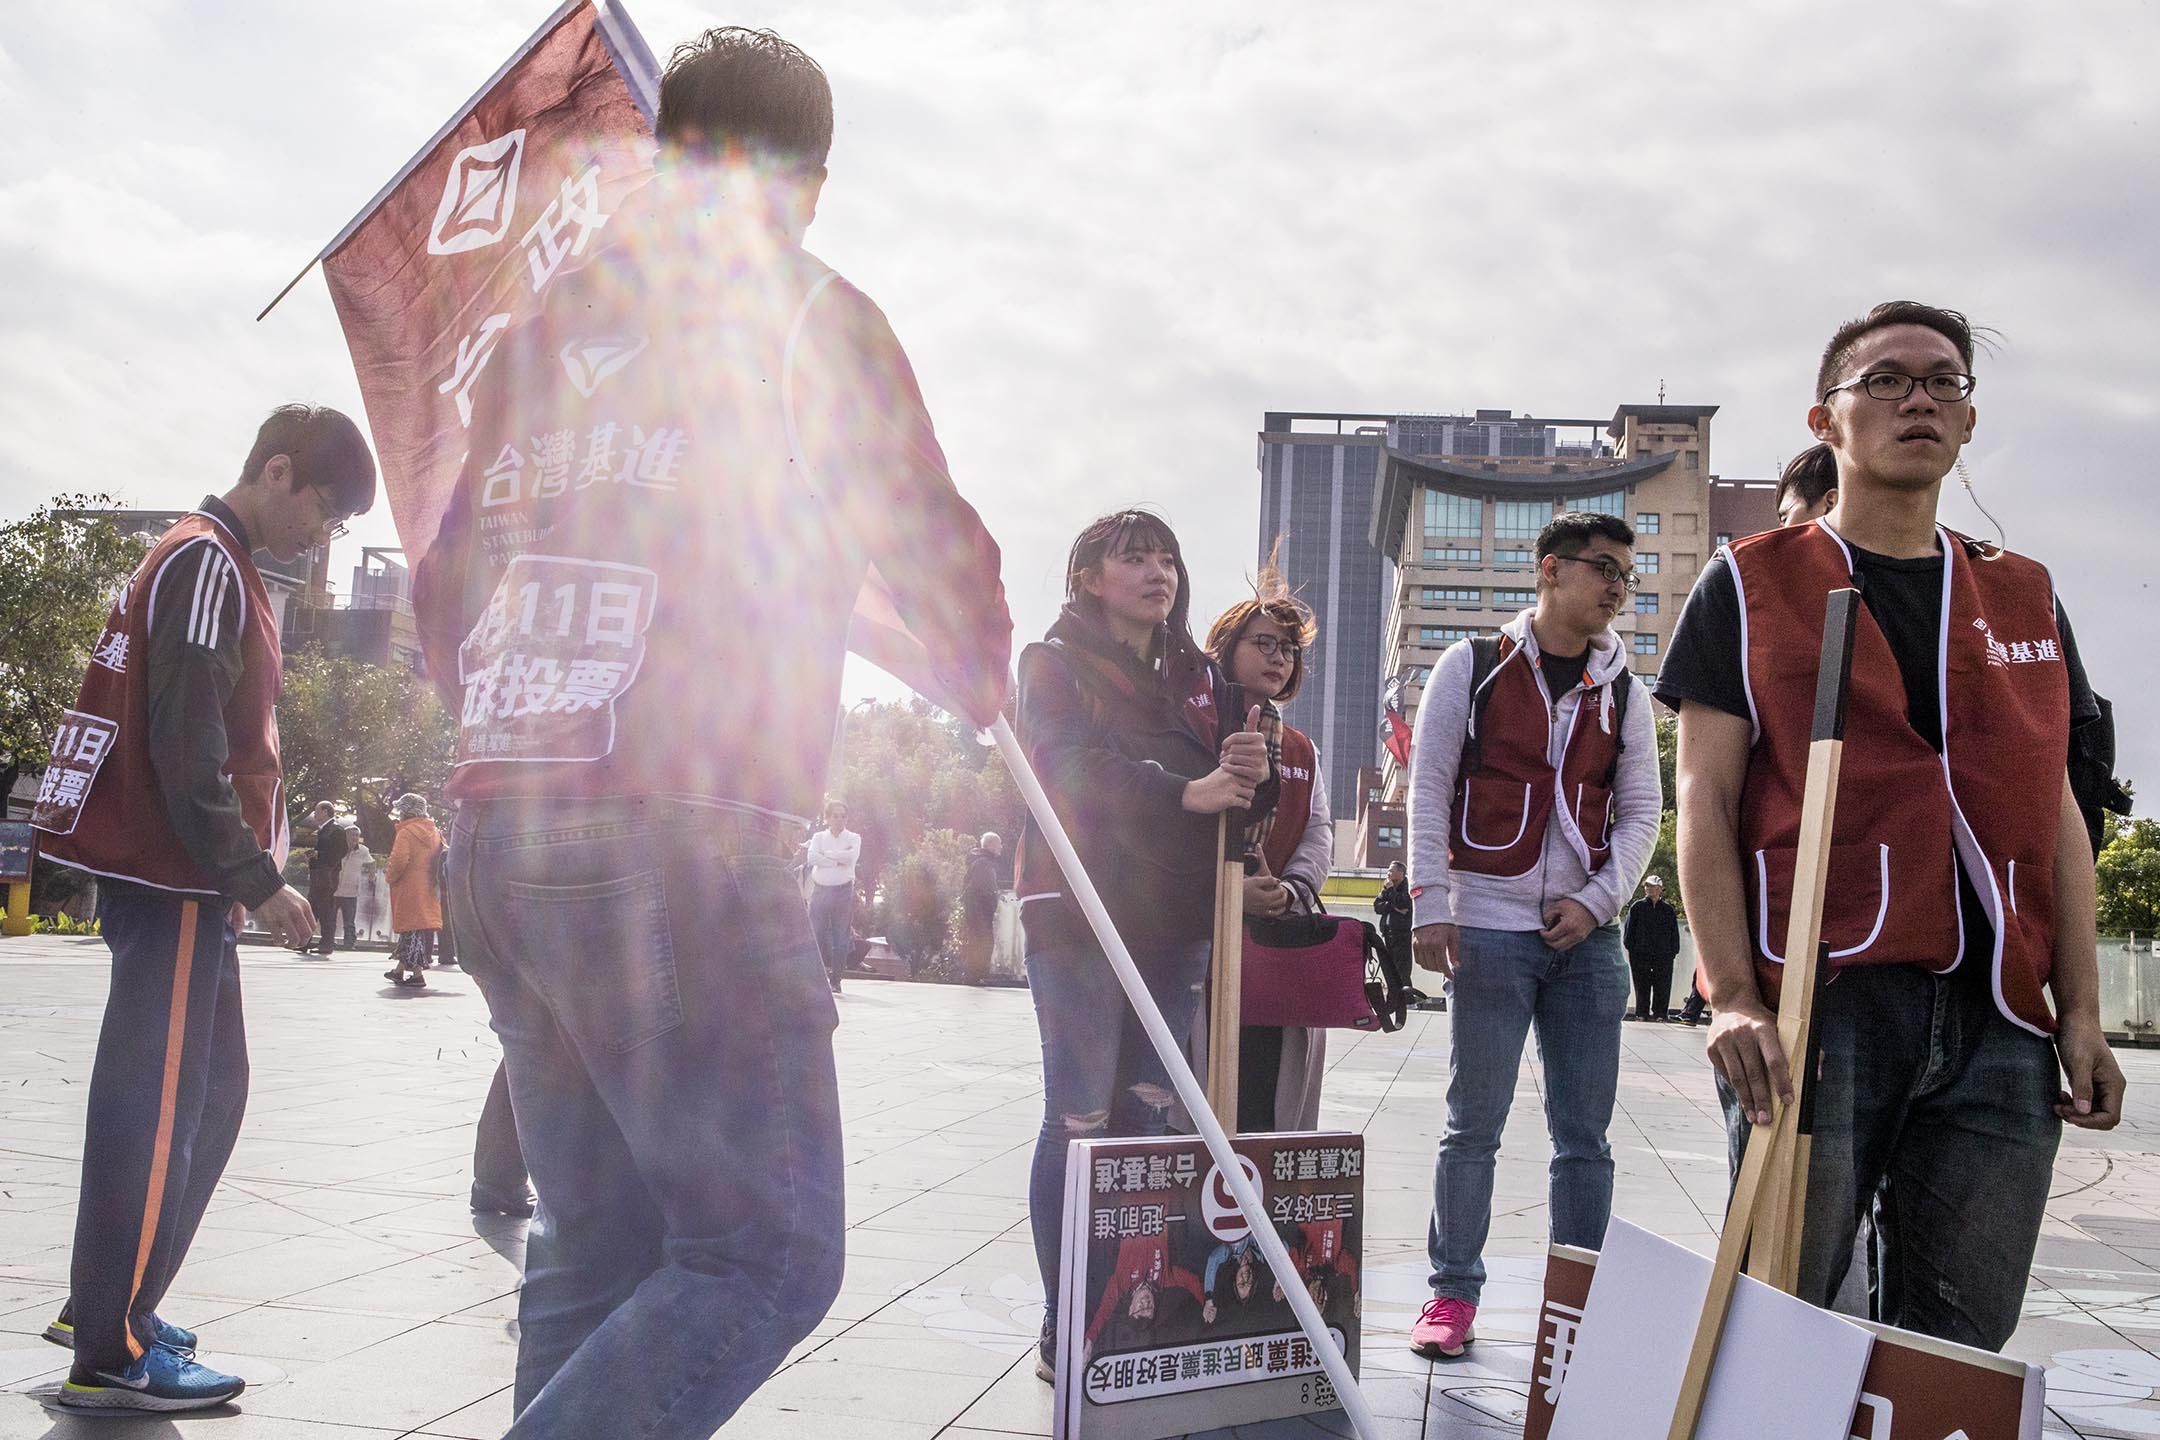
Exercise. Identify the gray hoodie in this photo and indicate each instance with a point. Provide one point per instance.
(1488, 902)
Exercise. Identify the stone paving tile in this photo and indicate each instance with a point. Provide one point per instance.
(341, 1272)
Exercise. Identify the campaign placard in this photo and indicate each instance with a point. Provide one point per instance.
(1172, 1321)
(1915, 1387)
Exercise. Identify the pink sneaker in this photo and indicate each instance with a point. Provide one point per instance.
(1442, 1331)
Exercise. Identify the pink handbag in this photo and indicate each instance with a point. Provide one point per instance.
(1321, 971)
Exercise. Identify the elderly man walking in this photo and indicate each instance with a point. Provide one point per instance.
(1652, 936)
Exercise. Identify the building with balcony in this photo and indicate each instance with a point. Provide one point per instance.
(1408, 532)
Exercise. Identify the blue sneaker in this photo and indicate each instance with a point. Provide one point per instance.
(161, 1380)
(169, 1335)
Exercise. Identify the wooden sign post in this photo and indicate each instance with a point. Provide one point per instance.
(1226, 1001)
(1769, 1204)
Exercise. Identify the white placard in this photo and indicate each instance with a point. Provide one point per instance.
(1785, 1368)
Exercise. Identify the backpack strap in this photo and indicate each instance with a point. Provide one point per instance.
(1623, 687)
(1484, 659)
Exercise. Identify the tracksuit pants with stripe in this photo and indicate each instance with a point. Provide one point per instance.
(166, 1097)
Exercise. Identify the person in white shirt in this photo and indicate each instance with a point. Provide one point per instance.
(1533, 812)
(351, 871)
(832, 854)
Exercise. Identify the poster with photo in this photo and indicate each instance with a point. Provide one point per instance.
(1172, 1321)
(1916, 1388)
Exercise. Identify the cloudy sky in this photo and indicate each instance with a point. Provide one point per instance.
(1113, 234)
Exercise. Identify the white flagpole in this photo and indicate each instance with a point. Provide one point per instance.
(1188, 1089)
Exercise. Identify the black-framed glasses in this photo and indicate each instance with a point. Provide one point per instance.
(1607, 567)
(1273, 646)
(1946, 386)
(333, 522)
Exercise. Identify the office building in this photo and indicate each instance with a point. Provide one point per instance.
(1317, 474)
(1460, 501)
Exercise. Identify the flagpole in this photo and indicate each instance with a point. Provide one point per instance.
(1187, 1088)
(562, 13)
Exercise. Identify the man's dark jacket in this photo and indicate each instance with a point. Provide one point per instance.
(979, 891)
(1652, 932)
(1393, 906)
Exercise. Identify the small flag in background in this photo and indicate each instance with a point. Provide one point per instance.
(1394, 729)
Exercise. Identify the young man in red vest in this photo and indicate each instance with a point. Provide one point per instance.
(165, 784)
(1534, 806)
(1958, 907)
(681, 473)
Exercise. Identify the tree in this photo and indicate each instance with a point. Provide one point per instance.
(343, 722)
(2129, 879)
(1668, 763)
(57, 581)
(918, 790)
(1665, 859)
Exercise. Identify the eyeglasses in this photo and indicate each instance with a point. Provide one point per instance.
(333, 522)
(1272, 647)
(1946, 386)
(1608, 568)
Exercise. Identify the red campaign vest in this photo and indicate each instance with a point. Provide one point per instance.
(1503, 807)
(1293, 799)
(1904, 811)
(100, 806)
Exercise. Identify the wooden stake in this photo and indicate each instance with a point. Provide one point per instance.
(1769, 1205)
(1226, 1002)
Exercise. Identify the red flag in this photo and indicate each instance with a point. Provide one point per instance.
(878, 634)
(1394, 730)
(460, 246)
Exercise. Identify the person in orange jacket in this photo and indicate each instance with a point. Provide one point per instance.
(415, 908)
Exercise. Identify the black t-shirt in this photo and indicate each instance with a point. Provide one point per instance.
(1562, 672)
(1904, 598)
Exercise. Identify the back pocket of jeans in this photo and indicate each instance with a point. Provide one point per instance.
(601, 953)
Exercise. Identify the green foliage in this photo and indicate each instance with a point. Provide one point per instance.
(342, 721)
(1668, 753)
(2129, 879)
(922, 893)
(57, 582)
(61, 925)
(1665, 859)
(919, 789)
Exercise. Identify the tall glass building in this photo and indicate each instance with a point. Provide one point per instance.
(1318, 475)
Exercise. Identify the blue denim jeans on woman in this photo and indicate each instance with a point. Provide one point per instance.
(668, 1032)
(1927, 1094)
(1101, 1077)
(1508, 982)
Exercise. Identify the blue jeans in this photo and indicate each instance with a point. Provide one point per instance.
(832, 917)
(1101, 1077)
(1506, 982)
(1927, 1094)
(668, 1035)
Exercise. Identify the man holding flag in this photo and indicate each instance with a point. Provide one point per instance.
(680, 473)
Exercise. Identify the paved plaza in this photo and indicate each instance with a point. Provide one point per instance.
(342, 1275)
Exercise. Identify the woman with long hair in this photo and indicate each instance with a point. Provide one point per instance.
(1261, 645)
(1123, 716)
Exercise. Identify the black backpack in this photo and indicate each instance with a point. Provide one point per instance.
(2092, 772)
(1484, 659)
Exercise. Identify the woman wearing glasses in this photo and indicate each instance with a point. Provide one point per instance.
(1260, 644)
